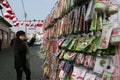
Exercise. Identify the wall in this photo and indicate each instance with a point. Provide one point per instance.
(4, 35)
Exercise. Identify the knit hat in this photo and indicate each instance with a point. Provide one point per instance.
(20, 33)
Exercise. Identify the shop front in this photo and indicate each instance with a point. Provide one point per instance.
(4, 32)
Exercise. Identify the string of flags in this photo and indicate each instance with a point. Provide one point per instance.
(9, 14)
(30, 23)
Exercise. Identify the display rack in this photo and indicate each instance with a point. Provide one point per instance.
(81, 41)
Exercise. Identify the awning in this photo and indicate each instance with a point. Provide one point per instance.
(5, 22)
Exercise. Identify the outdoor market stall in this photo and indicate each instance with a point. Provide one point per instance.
(82, 41)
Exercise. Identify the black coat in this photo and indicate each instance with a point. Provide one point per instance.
(20, 52)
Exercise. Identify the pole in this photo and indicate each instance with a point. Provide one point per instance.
(25, 21)
(25, 15)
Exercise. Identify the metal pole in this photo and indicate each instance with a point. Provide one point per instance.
(25, 21)
(25, 15)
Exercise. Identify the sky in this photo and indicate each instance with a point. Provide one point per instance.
(35, 9)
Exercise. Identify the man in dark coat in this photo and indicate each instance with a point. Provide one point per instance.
(21, 55)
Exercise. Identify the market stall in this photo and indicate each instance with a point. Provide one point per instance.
(81, 41)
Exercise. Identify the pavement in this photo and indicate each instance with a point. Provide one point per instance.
(7, 71)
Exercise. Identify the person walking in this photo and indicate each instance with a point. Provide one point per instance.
(21, 55)
(11, 42)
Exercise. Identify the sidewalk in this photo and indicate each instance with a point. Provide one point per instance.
(7, 71)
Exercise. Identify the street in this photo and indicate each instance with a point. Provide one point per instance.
(7, 71)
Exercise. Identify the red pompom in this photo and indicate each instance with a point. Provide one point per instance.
(11, 17)
(39, 24)
(6, 15)
(9, 11)
(16, 23)
(5, 4)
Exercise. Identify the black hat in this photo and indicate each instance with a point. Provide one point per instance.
(20, 33)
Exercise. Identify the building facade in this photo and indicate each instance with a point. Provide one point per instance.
(5, 32)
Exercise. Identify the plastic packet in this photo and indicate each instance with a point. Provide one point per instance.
(106, 33)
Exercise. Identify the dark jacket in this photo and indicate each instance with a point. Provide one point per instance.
(21, 53)
(0, 42)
